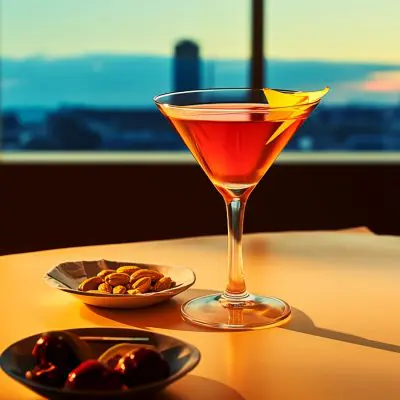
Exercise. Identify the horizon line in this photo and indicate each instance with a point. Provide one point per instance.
(83, 106)
(60, 57)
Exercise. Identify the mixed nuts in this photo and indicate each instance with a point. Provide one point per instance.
(127, 280)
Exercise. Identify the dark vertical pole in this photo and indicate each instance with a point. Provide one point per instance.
(257, 44)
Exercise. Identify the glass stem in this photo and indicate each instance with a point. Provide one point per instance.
(236, 287)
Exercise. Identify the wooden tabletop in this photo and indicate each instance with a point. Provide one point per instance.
(343, 341)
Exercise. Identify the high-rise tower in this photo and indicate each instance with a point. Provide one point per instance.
(186, 66)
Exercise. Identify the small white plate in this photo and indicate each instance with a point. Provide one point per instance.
(67, 277)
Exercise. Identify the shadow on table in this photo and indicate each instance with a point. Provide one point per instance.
(168, 316)
(164, 316)
(193, 387)
(301, 322)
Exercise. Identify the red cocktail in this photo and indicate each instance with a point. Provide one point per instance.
(236, 135)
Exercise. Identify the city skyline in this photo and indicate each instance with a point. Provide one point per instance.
(115, 80)
(295, 30)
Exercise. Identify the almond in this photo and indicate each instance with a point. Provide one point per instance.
(105, 287)
(90, 283)
(142, 284)
(128, 269)
(119, 289)
(162, 284)
(104, 272)
(117, 279)
(148, 273)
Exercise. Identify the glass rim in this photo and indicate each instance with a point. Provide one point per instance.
(228, 109)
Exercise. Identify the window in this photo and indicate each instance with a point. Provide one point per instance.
(81, 75)
(350, 46)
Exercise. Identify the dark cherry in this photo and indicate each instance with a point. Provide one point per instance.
(48, 374)
(62, 349)
(142, 366)
(93, 375)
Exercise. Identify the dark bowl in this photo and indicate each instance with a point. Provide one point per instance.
(181, 357)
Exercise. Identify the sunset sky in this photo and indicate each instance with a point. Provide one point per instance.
(340, 30)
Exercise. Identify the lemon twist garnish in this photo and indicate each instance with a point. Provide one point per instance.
(277, 99)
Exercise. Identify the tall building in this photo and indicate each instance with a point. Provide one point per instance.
(186, 66)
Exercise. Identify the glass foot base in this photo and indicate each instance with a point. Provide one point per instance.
(253, 312)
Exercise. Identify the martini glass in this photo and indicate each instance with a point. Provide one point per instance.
(236, 135)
